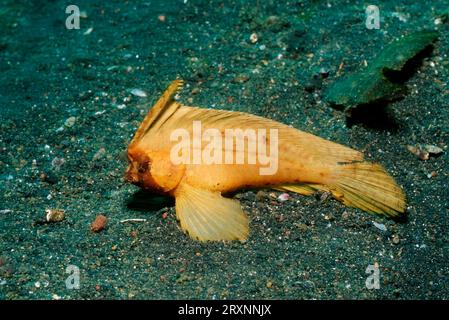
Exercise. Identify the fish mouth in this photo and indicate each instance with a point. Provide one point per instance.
(131, 176)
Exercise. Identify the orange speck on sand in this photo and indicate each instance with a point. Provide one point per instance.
(99, 223)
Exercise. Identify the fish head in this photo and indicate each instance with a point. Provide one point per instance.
(138, 167)
(152, 172)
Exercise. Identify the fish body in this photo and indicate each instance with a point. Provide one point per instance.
(196, 155)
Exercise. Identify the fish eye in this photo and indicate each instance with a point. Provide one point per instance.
(142, 167)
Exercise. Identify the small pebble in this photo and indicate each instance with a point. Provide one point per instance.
(324, 196)
(324, 72)
(57, 163)
(54, 215)
(253, 37)
(139, 93)
(380, 226)
(432, 174)
(283, 197)
(70, 122)
(395, 239)
(99, 223)
(99, 154)
(88, 31)
(241, 78)
(302, 227)
(423, 151)
(261, 195)
(432, 149)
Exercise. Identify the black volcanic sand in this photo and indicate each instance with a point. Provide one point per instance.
(303, 248)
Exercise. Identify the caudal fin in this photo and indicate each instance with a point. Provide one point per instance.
(363, 185)
(369, 187)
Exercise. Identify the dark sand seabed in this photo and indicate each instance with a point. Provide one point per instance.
(303, 248)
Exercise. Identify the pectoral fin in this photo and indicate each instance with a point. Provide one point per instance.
(207, 216)
(303, 189)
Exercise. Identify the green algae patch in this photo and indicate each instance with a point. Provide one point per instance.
(379, 81)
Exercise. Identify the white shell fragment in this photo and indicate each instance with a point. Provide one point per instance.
(54, 215)
(283, 197)
(70, 122)
(423, 151)
(380, 226)
(88, 31)
(139, 93)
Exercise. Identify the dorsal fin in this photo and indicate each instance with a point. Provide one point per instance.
(158, 109)
(316, 150)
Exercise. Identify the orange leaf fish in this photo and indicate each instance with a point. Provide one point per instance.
(196, 155)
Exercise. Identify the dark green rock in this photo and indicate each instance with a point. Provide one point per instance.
(375, 82)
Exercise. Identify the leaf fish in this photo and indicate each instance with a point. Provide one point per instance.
(298, 162)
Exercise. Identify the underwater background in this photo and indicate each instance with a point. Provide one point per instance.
(71, 99)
